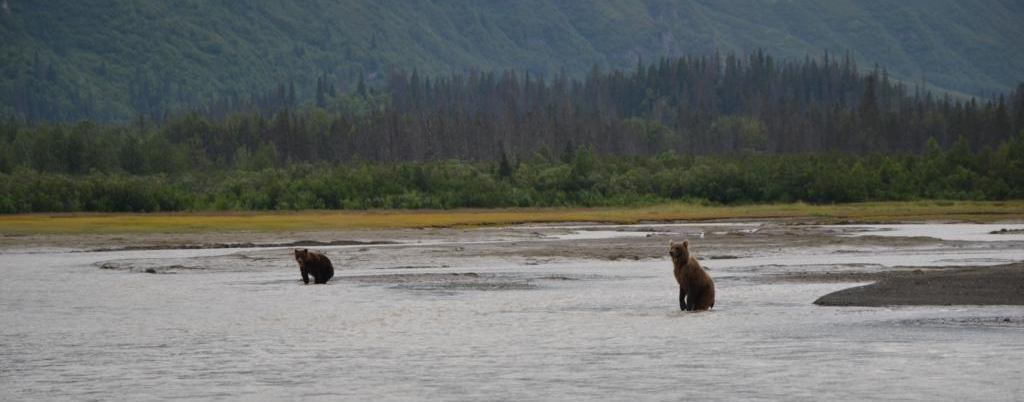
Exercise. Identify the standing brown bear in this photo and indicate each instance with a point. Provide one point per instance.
(314, 263)
(696, 289)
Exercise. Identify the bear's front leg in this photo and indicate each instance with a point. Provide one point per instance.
(682, 298)
(305, 275)
(691, 302)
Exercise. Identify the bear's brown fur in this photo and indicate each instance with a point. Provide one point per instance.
(696, 289)
(314, 263)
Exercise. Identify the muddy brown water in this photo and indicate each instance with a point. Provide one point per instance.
(535, 313)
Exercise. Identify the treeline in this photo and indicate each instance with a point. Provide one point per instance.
(577, 178)
(721, 129)
(696, 105)
(692, 106)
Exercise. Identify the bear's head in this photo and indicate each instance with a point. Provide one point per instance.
(301, 254)
(680, 252)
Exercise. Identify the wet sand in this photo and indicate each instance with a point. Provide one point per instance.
(985, 286)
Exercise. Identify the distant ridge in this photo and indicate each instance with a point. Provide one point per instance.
(113, 60)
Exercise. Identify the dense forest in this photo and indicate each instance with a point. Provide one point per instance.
(720, 128)
(113, 60)
(579, 178)
(692, 106)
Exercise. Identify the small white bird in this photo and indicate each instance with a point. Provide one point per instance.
(701, 235)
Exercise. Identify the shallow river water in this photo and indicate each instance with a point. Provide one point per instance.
(237, 324)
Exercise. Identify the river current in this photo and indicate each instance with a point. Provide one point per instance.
(237, 324)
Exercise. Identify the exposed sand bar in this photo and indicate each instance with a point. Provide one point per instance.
(1000, 285)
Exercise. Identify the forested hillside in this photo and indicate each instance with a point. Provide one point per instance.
(695, 105)
(718, 128)
(116, 59)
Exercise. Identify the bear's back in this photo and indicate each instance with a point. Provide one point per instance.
(314, 259)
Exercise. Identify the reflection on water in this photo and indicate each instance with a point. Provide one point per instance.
(597, 234)
(961, 232)
(238, 324)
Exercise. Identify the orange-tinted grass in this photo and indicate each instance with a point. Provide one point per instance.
(384, 219)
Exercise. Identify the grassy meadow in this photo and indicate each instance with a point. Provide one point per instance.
(94, 223)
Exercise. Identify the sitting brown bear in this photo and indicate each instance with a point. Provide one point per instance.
(314, 263)
(696, 289)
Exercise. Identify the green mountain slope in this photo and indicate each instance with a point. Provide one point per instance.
(112, 59)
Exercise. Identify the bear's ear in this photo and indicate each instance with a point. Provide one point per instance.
(686, 244)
